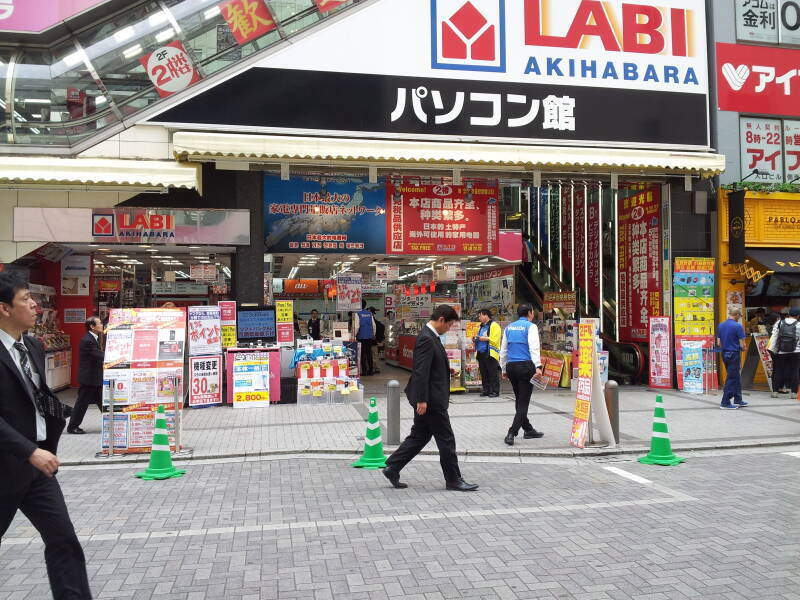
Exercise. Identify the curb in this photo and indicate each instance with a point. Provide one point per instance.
(544, 452)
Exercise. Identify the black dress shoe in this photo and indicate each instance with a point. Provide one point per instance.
(484, 394)
(509, 439)
(394, 478)
(494, 395)
(76, 430)
(459, 485)
(530, 435)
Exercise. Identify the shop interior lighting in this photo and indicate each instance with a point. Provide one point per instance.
(73, 59)
(133, 51)
(36, 101)
(293, 272)
(195, 247)
(99, 262)
(181, 274)
(151, 250)
(211, 13)
(163, 36)
(124, 34)
(157, 18)
(144, 245)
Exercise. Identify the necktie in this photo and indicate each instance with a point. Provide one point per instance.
(46, 404)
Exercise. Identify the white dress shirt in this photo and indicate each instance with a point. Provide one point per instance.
(533, 348)
(436, 333)
(8, 342)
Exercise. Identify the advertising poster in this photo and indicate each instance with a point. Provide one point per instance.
(442, 219)
(660, 353)
(170, 69)
(251, 380)
(553, 367)
(227, 309)
(414, 307)
(205, 380)
(284, 317)
(693, 309)
(348, 292)
(384, 272)
(204, 330)
(246, 19)
(760, 148)
(762, 341)
(583, 397)
(332, 214)
(639, 261)
(566, 301)
(75, 272)
(692, 367)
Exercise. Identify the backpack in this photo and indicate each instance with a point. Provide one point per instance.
(787, 336)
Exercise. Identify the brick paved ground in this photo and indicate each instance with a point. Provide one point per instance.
(721, 526)
(480, 424)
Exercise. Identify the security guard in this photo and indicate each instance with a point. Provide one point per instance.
(519, 361)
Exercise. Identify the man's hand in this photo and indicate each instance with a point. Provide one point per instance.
(504, 375)
(45, 461)
(422, 408)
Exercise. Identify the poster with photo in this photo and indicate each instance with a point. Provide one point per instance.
(75, 272)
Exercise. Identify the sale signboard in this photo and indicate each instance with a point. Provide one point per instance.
(583, 397)
(205, 330)
(251, 380)
(205, 380)
(348, 292)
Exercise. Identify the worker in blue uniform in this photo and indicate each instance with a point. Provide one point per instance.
(364, 329)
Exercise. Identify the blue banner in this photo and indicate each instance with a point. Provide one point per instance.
(330, 214)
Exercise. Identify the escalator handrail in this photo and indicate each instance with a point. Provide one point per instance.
(550, 271)
(640, 359)
(536, 296)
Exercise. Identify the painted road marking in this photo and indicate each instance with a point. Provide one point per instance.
(627, 475)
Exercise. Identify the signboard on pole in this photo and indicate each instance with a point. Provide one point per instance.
(251, 379)
(227, 310)
(583, 397)
(348, 292)
(692, 366)
(660, 353)
(205, 330)
(205, 380)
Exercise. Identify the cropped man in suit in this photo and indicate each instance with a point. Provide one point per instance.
(90, 373)
(428, 392)
(31, 422)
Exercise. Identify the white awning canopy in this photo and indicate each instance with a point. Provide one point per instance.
(223, 147)
(96, 174)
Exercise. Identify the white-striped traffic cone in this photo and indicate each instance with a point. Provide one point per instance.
(372, 457)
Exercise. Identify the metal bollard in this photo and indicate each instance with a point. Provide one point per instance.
(393, 412)
(612, 405)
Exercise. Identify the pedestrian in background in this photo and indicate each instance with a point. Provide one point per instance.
(364, 329)
(754, 324)
(520, 361)
(487, 348)
(315, 326)
(428, 392)
(31, 422)
(90, 374)
(784, 343)
(730, 338)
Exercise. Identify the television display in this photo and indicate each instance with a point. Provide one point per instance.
(256, 323)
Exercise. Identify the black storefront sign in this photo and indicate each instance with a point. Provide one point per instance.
(736, 242)
(417, 106)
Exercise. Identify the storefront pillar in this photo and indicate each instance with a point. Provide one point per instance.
(248, 276)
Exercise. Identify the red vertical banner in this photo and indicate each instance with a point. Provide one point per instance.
(639, 261)
(566, 231)
(578, 223)
(593, 250)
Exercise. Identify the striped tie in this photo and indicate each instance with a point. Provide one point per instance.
(45, 403)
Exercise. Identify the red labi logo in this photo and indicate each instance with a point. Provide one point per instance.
(467, 34)
(103, 225)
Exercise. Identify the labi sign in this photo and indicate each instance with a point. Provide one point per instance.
(613, 72)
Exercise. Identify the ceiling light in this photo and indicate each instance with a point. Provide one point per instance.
(195, 247)
(144, 245)
(163, 36)
(124, 34)
(151, 250)
(211, 13)
(104, 249)
(157, 18)
(73, 59)
(99, 262)
(132, 51)
(165, 256)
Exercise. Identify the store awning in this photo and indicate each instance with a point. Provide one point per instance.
(202, 146)
(97, 174)
(776, 260)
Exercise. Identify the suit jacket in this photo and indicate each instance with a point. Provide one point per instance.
(430, 373)
(90, 361)
(18, 419)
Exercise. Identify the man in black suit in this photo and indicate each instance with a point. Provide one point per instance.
(31, 422)
(428, 392)
(90, 374)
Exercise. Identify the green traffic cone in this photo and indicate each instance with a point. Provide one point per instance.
(160, 466)
(373, 457)
(660, 446)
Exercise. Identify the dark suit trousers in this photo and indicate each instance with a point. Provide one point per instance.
(87, 394)
(490, 373)
(435, 424)
(367, 364)
(519, 374)
(43, 503)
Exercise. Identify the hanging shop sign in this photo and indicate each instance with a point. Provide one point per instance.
(593, 248)
(203, 272)
(566, 232)
(177, 288)
(384, 272)
(348, 292)
(415, 306)
(442, 219)
(204, 330)
(75, 272)
(566, 301)
(639, 262)
(205, 380)
(693, 309)
(579, 235)
(170, 68)
(660, 353)
(337, 214)
(107, 285)
(300, 286)
(575, 70)
(153, 226)
(247, 19)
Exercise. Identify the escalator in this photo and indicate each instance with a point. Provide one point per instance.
(112, 66)
(627, 361)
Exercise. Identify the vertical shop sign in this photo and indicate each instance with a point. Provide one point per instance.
(566, 232)
(543, 220)
(593, 249)
(760, 148)
(736, 228)
(660, 353)
(639, 262)
(205, 380)
(247, 19)
(205, 330)
(348, 292)
(227, 310)
(583, 397)
(75, 272)
(693, 306)
(791, 144)
(442, 219)
(284, 319)
(170, 68)
(757, 20)
(555, 232)
(579, 235)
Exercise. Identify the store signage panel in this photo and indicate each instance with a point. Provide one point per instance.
(574, 70)
(789, 22)
(442, 219)
(758, 79)
(336, 214)
(760, 148)
(757, 21)
(791, 150)
(170, 69)
(131, 225)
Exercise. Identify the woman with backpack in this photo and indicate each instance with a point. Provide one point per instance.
(784, 343)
